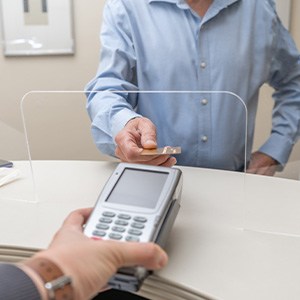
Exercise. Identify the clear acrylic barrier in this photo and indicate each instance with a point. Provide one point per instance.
(60, 146)
(272, 204)
(16, 182)
(57, 126)
(58, 129)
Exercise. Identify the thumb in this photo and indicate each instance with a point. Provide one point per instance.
(148, 255)
(148, 133)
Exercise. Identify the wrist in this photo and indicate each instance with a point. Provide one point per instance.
(52, 283)
(132, 119)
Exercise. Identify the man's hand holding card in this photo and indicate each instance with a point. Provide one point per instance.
(136, 143)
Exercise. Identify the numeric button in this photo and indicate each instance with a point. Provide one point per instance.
(124, 216)
(135, 232)
(138, 225)
(121, 222)
(105, 220)
(108, 214)
(99, 233)
(115, 236)
(140, 219)
(118, 229)
(130, 238)
(102, 226)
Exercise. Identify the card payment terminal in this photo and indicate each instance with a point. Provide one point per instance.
(139, 203)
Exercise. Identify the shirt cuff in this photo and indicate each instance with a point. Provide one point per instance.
(16, 284)
(121, 119)
(278, 147)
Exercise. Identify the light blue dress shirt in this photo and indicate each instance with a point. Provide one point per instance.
(163, 45)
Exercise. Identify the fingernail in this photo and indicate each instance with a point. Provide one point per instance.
(173, 160)
(163, 259)
(150, 142)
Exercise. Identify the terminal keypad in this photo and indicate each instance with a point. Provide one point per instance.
(120, 226)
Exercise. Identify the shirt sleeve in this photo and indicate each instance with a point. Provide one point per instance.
(15, 284)
(110, 105)
(285, 79)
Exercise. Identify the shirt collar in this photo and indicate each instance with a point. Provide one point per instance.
(169, 1)
(215, 8)
(222, 3)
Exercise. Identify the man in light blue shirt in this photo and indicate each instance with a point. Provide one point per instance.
(207, 45)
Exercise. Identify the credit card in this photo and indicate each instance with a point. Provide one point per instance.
(162, 151)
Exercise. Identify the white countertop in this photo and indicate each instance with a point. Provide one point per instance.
(212, 251)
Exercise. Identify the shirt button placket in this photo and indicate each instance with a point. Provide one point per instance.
(204, 85)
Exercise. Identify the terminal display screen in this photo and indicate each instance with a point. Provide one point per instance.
(138, 188)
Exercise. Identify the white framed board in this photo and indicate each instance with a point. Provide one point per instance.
(37, 27)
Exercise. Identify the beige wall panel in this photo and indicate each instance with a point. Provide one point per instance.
(22, 74)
